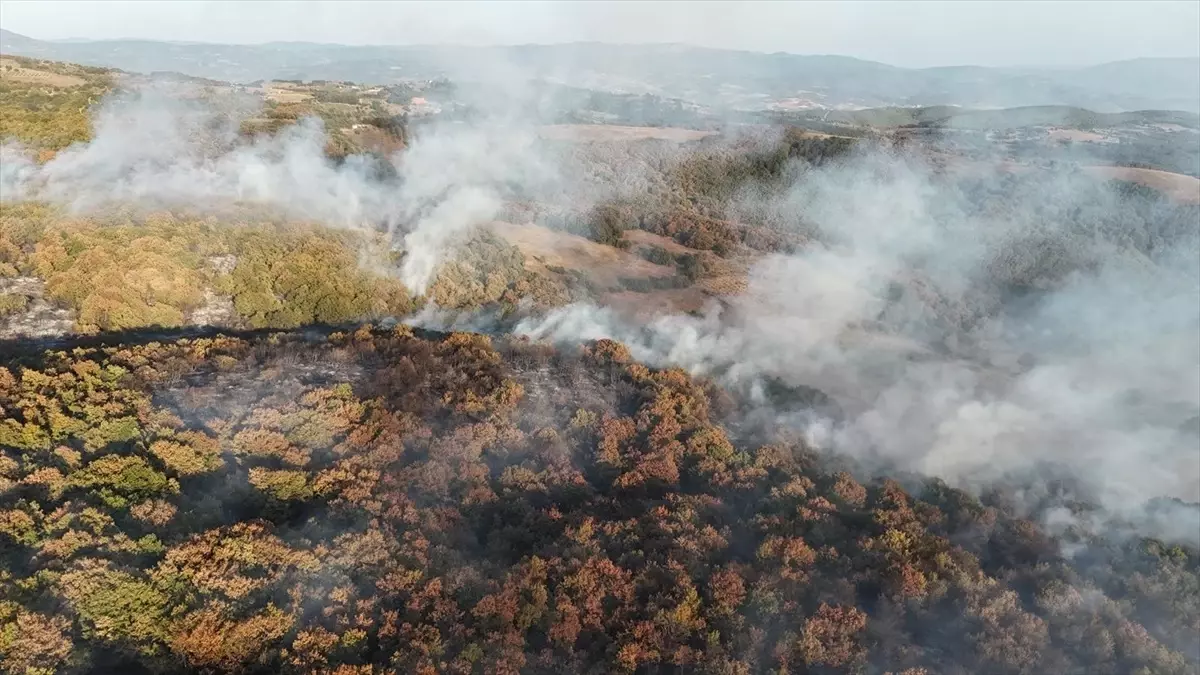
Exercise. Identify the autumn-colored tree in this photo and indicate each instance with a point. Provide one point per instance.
(384, 500)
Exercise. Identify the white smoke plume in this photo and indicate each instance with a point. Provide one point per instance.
(150, 148)
(153, 148)
(17, 170)
(455, 178)
(1098, 375)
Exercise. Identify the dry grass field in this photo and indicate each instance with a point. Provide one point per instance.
(1174, 185)
(545, 249)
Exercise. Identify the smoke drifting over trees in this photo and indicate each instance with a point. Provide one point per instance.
(948, 422)
(384, 501)
(968, 344)
(155, 151)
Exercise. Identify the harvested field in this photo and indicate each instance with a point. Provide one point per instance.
(724, 284)
(1077, 136)
(726, 276)
(1174, 185)
(550, 252)
(12, 70)
(373, 139)
(285, 94)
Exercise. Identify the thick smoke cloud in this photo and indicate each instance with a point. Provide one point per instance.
(903, 311)
(155, 147)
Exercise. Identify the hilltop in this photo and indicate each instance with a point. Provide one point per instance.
(953, 117)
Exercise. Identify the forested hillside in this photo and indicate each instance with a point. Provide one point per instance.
(384, 501)
(227, 447)
(120, 271)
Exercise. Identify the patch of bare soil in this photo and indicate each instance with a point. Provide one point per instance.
(644, 238)
(217, 310)
(612, 132)
(644, 306)
(1174, 185)
(1077, 135)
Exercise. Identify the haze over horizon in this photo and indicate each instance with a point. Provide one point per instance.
(908, 34)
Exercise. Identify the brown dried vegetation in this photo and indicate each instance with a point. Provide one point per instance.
(387, 502)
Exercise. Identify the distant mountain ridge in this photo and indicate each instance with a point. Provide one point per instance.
(1007, 118)
(724, 78)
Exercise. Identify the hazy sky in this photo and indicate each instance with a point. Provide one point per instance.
(902, 33)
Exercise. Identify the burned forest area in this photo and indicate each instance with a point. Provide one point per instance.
(428, 502)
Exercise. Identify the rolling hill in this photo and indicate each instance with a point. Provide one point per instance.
(783, 403)
(708, 76)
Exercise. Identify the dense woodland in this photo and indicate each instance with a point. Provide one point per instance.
(690, 192)
(126, 270)
(383, 501)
